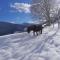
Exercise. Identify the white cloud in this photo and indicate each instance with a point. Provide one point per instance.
(12, 22)
(21, 7)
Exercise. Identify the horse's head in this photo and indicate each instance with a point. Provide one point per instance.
(31, 28)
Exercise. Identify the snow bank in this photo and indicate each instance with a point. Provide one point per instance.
(23, 46)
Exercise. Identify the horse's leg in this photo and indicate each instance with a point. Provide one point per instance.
(37, 33)
(41, 31)
(33, 33)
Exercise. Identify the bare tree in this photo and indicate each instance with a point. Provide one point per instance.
(43, 9)
(58, 18)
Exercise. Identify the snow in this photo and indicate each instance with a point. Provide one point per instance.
(24, 46)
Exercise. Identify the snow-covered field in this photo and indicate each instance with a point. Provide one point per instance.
(23, 46)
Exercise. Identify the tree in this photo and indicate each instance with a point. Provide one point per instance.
(43, 9)
(58, 18)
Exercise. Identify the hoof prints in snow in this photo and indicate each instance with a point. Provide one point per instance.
(26, 47)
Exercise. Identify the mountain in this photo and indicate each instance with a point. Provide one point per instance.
(9, 28)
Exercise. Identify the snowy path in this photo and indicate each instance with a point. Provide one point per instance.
(23, 46)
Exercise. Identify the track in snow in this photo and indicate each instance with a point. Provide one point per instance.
(22, 46)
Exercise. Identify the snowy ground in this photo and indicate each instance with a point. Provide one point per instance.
(23, 46)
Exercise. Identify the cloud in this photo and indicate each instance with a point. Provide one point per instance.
(21, 7)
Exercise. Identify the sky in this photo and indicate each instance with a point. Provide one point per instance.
(15, 11)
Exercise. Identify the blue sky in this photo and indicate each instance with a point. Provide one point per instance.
(10, 11)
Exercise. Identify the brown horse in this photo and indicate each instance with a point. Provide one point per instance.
(35, 29)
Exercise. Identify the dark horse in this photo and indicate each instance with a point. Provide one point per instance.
(35, 28)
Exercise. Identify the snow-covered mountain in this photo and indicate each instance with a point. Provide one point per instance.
(10, 28)
(24, 46)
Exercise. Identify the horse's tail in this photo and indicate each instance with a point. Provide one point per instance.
(28, 30)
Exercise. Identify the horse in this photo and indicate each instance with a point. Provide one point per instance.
(35, 28)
